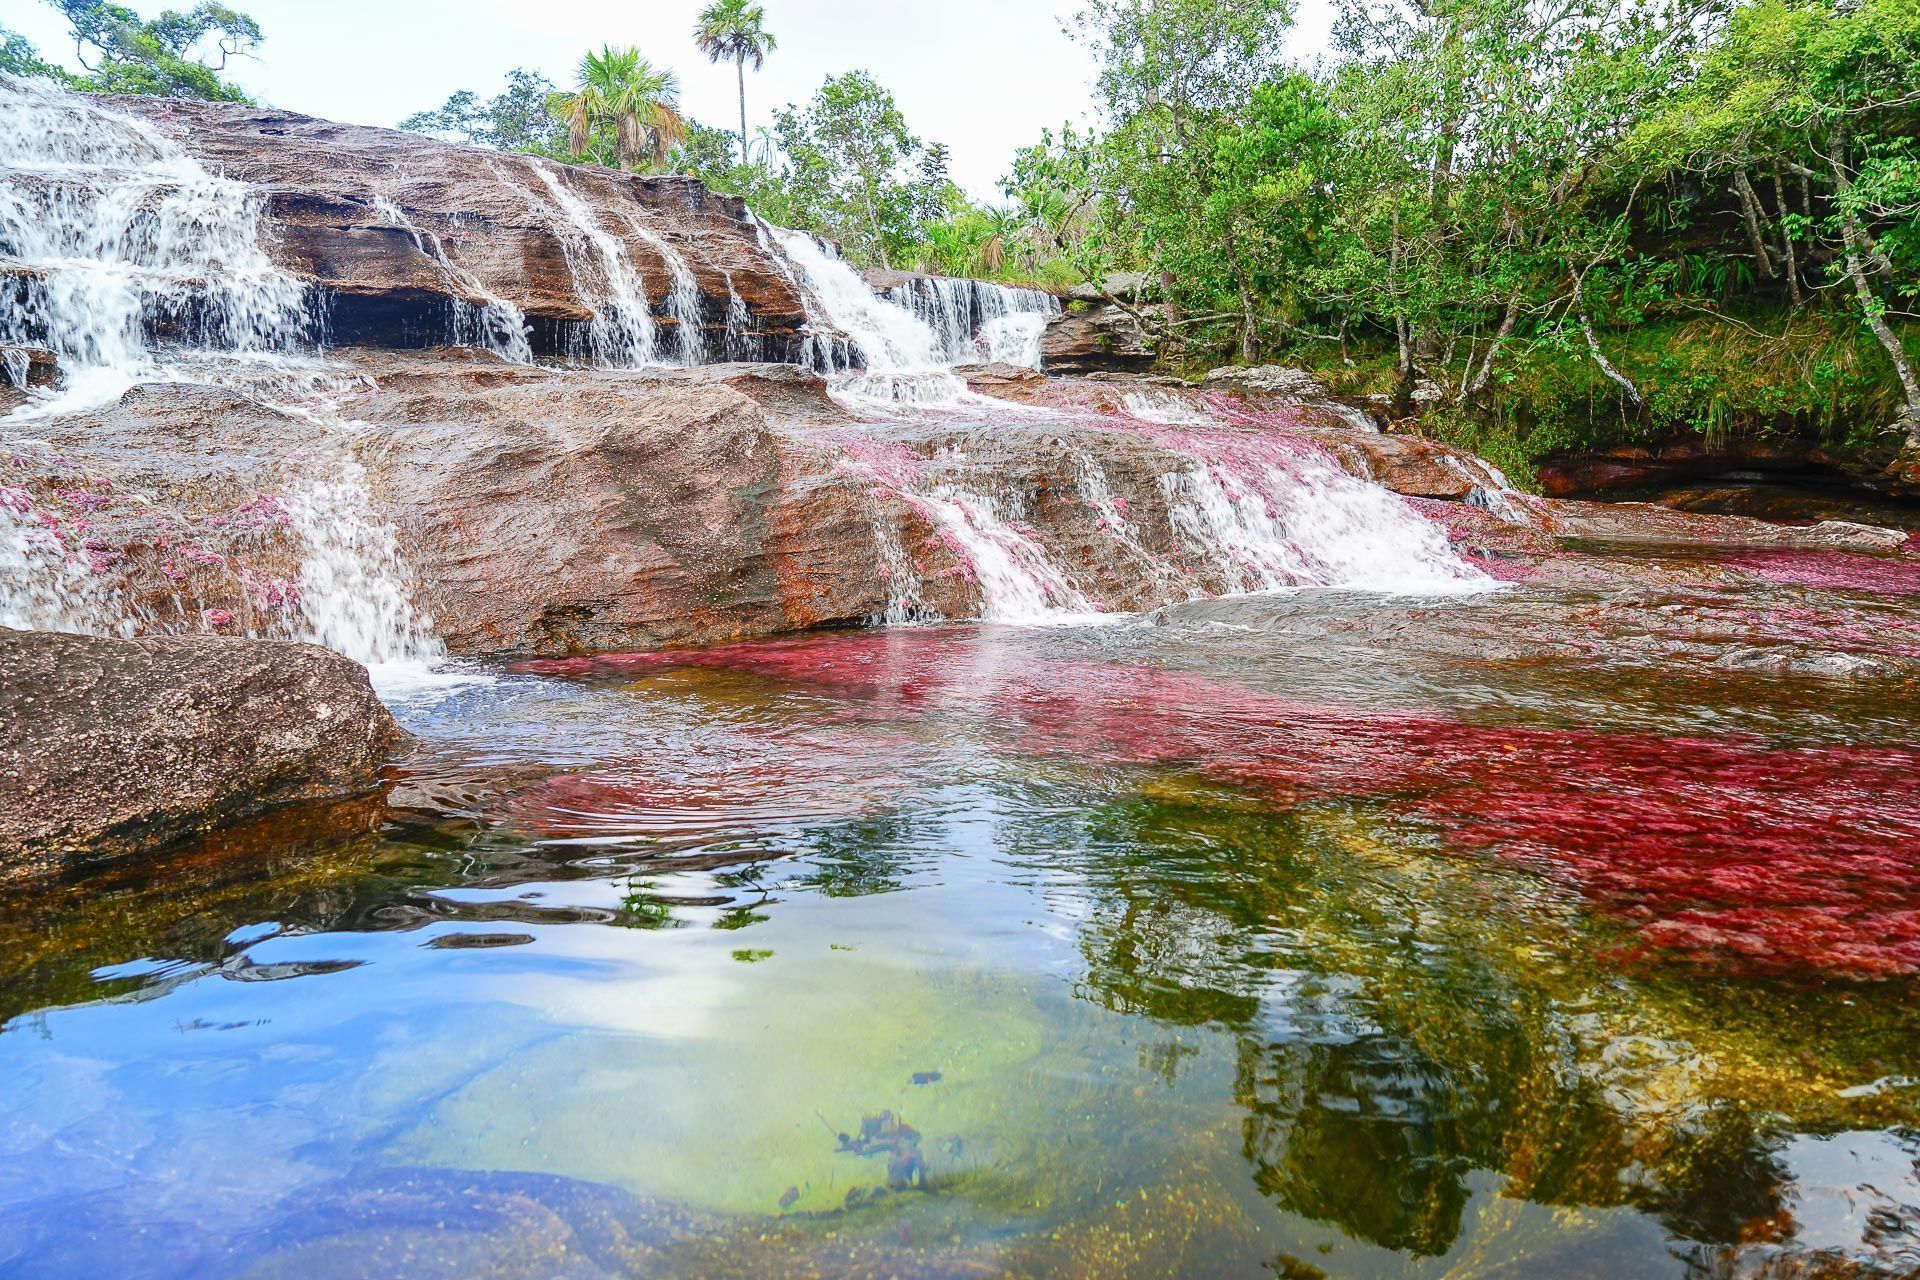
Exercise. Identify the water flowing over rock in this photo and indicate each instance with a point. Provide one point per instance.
(975, 321)
(213, 462)
(367, 236)
(117, 746)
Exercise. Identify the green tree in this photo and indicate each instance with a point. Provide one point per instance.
(515, 119)
(735, 31)
(624, 104)
(177, 55)
(1826, 97)
(18, 57)
(847, 155)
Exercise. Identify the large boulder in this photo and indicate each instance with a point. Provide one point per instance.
(117, 746)
(1095, 337)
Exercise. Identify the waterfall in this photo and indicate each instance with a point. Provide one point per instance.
(684, 302)
(974, 321)
(901, 358)
(491, 324)
(110, 232)
(622, 333)
(353, 587)
(134, 264)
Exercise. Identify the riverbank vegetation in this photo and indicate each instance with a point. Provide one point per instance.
(1553, 225)
(1544, 226)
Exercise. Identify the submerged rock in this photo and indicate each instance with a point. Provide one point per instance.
(117, 746)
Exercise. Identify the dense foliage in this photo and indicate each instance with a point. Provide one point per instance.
(1495, 202)
(1548, 222)
(176, 55)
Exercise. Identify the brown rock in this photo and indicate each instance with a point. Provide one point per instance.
(360, 212)
(1095, 337)
(23, 367)
(116, 746)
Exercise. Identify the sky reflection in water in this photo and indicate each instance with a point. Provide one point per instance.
(1126, 969)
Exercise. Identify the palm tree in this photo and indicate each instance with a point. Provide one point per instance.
(735, 31)
(637, 100)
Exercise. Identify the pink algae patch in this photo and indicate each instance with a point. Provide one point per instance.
(1759, 861)
(1832, 570)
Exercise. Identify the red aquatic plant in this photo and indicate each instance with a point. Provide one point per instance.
(1832, 570)
(1723, 850)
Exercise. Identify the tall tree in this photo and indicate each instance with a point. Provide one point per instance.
(735, 31)
(847, 156)
(622, 93)
(516, 119)
(177, 55)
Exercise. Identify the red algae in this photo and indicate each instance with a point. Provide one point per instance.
(1723, 851)
(1832, 570)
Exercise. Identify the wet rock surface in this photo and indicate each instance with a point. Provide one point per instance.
(117, 746)
(552, 511)
(396, 226)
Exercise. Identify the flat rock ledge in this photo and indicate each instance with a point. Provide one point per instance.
(113, 747)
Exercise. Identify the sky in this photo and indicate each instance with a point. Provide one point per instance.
(983, 76)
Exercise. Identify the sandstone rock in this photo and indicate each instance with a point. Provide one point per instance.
(368, 215)
(24, 367)
(1642, 522)
(1272, 378)
(1125, 285)
(116, 746)
(1095, 337)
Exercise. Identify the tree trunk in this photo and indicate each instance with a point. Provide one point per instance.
(1247, 338)
(740, 66)
(1870, 304)
(1606, 366)
(1750, 211)
(1786, 241)
(1507, 322)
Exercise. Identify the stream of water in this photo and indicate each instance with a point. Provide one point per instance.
(1335, 910)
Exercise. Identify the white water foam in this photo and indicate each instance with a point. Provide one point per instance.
(900, 357)
(622, 333)
(111, 229)
(1018, 582)
(1303, 522)
(975, 320)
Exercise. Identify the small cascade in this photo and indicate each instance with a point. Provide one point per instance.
(110, 234)
(1167, 408)
(974, 321)
(622, 333)
(684, 302)
(900, 359)
(1019, 583)
(353, 592)
(491, 324)
(45, 586)
(1272, 514)
(744, 341)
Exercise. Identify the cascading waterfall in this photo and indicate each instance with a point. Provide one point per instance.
(492, 324)
(353, 580)
(133, 264)
(684, 302)
(974, 321)
(109, 232)
(900, 356)
(1293, 519)
(622, 333)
